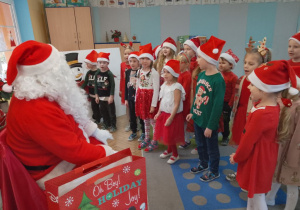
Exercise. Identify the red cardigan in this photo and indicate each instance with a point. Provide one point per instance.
(124, 68)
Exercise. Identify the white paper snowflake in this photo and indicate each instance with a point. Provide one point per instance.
(115, 203)
(126, 169)
(69, 201)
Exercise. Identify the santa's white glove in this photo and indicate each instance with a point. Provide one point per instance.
(108, 149)
(102, 135)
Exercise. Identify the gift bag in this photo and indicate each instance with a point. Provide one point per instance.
(114, 182)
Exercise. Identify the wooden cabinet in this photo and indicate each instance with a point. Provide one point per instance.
(70, 28)
(135, 45)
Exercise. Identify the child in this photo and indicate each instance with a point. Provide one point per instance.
(124, 67)
(207, 109)
(130, 90)
(157, 52)
(169, 49)
(147, 95)
(185, 79)
(89, 81)
(242, 102)
(105, 89)
(287, 168)
(227, 63)
(257, 152)
(294, 53)
(169, 126)
(190, 48)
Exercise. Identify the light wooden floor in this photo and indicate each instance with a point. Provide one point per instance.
(120, 141)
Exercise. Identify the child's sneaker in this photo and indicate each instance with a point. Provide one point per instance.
(165, 154)
(185, 145)
(144, 144)
(127, 128)
(270, 202)
(152, 146)
(142, 137)
(112, 129)
(198, 169)
(209, 176)
(231, 177)
(194, 151)
(104, 127)
(173, 159)
(225, 142)
(132, 136)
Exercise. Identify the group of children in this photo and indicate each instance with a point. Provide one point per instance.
(197, 92)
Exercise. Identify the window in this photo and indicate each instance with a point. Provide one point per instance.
(9, 34)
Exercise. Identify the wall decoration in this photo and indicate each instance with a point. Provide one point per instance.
(131, 3)
(55, 3)
(112, 3)
(205, 1)
(169, 2)
(140, 3)
(102, 3)
(150, 3)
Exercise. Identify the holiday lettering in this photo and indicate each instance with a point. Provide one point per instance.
(101, 79)
(92, 77)
(204, 82)
(197, 112)
(109, 183)
(120, 191)
(133, 198)
(97, 191)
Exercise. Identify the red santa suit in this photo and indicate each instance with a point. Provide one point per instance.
(257, 153)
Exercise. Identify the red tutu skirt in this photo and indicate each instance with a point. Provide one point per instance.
(143, 104)
(172, 134)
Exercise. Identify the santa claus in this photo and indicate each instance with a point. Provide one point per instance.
(48, 124)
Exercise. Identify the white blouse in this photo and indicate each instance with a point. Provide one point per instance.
(166, 96)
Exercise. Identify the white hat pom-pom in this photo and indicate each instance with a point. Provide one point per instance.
(7, 88)
(215, 51)
(293, 91)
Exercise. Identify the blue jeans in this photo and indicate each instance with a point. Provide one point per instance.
(208, 149)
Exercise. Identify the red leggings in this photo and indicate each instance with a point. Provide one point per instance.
(173, 148)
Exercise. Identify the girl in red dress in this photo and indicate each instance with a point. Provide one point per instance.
(257, 152)
(169, 126)
(124, 67)
(190, 48)
(294, 53)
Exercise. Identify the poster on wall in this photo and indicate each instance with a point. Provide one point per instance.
(55, 3)
(131, 3)
(140, 3)
(79, 70)
(224, 1)
(214, 1)
(112, 3)
(205, 2)
(102, 3)
(121, 3)
(169, 2)
(197, 1)
(150, 3)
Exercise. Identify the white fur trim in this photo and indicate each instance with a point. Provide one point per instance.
(229, 58)
(264, 87)
(297, 79)
(293, 91)
(90, 128)
(108, 149)
(215, 51)
(191, 44)
(157, 51)
(7, 88)
(102, 59)
(90, 62)
(296, 40)
(167, 44)
(146, 55)
(133, 56)
(171, 71)
(40, 68)
(206, 57)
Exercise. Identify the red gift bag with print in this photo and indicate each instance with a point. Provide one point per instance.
(114, 182)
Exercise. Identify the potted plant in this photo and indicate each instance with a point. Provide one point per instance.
(116, 35)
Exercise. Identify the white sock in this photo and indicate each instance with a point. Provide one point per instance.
(291, 197)
(258, 202)
(272, 193)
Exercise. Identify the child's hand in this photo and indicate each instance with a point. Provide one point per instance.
(207, 133)
(120, 94)
(156, 116)
(168, 121)
(126, 103)
(110, 99)
(188, 117)
(97, 99)
(152, 109)
(231, 158)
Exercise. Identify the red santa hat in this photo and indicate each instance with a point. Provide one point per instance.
(296, 37)
(30, 58)
(274, 76)
(230, 57)
(169, 42)
(91, 58)
(102, 56)
(173, 66)
(193, 43)
(203, 89)
(211, 50)
(134, 54)
(156, 51)
(146, 51)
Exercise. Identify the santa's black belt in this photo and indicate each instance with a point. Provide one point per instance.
(36, 168)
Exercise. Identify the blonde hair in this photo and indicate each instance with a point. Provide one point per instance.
(284, 130)
(161, 59)
(183, 57)
(261, 58)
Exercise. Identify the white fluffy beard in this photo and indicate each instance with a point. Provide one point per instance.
(58, 85)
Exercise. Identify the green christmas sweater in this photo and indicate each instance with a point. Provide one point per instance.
(208, 100)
